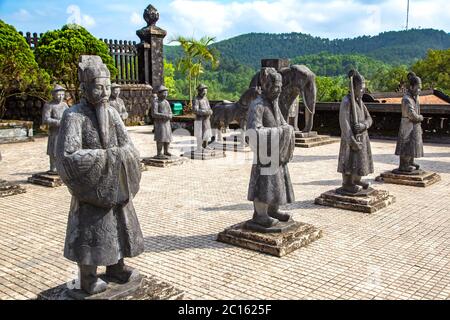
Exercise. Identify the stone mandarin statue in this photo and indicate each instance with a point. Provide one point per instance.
(98, 162)
(268, 189)
(409, 142)
(162, 114)
(203, 112)
(51, 116)
(117, 103)
(355, 155)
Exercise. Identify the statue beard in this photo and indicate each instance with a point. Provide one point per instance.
(101, 110)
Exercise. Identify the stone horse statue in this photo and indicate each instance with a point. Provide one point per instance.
(227, 112)
(297, 79)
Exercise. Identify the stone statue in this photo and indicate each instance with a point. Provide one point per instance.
(355, 155)
(117, 103)
(203, 113)
(98, 162)
(409, 142)
(270, 183)
(162, 114)
(51, 116)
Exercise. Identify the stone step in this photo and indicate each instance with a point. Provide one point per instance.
(309, 140)
(315, 143)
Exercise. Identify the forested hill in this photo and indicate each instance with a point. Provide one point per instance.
(393, 47)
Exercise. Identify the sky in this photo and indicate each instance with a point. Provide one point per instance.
(222, 19)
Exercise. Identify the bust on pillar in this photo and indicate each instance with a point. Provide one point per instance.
(150, 50)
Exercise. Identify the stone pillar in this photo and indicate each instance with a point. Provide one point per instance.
(150, 50)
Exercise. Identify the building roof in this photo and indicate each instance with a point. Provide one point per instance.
(426, 97)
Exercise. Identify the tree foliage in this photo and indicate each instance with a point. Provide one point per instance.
(58, 53)
(435, 70)
(19, 72)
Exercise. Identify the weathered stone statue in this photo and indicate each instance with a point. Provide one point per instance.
(409, 142)
(355, 155)
(51, 116)
(100, 165)
(270, 187)
(162, 114)
(203, 113)
(117, 103)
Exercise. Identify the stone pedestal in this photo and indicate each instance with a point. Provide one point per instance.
(10, 189)
(140, 289)
(312, 139)
(279, 241)
(417, 178)
(163, 163)
(46, 179)
(368, 201)
(205, 154)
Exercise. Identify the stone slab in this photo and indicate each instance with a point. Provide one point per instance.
(45, 179)
(205, 154)
(230, 146)
(145, 288)
(373, 202)
(276, 243)
(163, 163)
(311, 134)
(314, 141)
(10, 189)
(423, 179)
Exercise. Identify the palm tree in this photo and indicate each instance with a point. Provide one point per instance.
(196, 54)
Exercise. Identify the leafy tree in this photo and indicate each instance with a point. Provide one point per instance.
(196, 54)
(19, 72)
(435, 70)
(169, 81)
(330, 89)
(58, 53)
(388, 80)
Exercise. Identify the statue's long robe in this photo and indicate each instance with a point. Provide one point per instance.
(270, 181)
(409, 141)
(161, 114)
(203, 113)
(103, 178)
(51, 116)
(119, 105)
(360, 162)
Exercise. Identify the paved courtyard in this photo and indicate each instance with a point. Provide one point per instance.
(401, 252)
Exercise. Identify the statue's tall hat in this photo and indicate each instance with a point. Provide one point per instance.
(90, 68)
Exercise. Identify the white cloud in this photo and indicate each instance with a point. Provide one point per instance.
(22, 15)
(137, 19)
(328, 18)
(77, 17)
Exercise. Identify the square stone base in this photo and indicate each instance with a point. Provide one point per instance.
(10, 189)
(370, 203)
(45, 179)
(206, 154)
(312, 139)
(422, 179)
(163, 163)
(140, 289)
(275, 243)
(230, 146)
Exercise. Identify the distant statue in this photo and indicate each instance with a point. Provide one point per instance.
(270, 183)
(117, 103)
(98, 162)
(51, 116)
(226, 113)
(355, 155)
(203, 113)
(297, 80)
(162, 114)
(409, 142)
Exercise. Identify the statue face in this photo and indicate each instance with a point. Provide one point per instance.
(203, 92)
(115, 92)
(58, 96)
(360, 88)
(415, 89)
(273, 90)
(163, 95)
(98, 91)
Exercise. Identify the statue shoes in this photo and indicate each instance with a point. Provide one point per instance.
(265, 222)
(122, 272)
(281, 216)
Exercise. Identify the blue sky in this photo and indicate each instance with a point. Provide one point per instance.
(223, 19)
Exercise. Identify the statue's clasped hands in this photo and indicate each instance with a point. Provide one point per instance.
(359, 127)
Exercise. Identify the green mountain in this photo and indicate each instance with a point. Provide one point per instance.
(393, 47)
